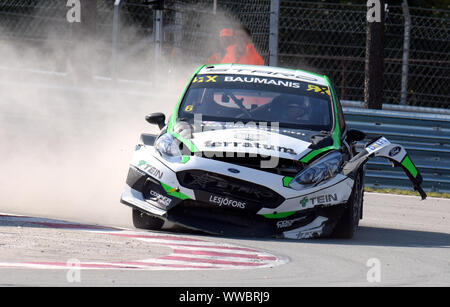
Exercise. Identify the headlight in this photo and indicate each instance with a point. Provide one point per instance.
(167, 146)
(325, 168)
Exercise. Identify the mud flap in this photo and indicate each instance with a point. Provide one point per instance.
(395, 153)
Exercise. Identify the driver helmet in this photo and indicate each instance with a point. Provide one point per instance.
(296, 109)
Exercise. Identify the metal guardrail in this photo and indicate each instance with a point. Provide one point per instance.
(426, 137)
(396, 107)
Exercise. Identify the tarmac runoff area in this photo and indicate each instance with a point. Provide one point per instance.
(401, 241)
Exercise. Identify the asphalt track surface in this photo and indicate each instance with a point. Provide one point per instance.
(408, 238)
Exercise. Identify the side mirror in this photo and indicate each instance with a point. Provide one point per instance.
(156, 119)
(354, 135)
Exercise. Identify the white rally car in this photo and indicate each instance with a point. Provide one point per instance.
(255, 151)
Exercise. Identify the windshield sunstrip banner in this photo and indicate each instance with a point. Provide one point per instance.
(254, 82)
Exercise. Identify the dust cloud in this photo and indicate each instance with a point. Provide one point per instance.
(66, 138)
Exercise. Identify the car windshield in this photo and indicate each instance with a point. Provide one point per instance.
(245, 98)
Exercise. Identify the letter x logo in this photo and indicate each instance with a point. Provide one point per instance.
(211, 78)
(318, 89)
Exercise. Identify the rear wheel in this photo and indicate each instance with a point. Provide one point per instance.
(349, 221)
(144, 221)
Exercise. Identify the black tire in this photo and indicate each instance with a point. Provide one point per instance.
(349, 221)
(144, 221)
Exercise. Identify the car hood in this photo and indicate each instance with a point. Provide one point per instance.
(285, 143)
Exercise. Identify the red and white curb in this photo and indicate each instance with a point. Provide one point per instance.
(187, 253)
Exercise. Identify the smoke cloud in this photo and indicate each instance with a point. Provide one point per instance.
(66, 138)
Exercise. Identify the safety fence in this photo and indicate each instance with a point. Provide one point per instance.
(426, 138)
(331, 39)
(200, 23)
(328, 38)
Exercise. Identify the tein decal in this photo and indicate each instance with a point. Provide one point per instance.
(318, 200)
(323, 199)
(150, 169)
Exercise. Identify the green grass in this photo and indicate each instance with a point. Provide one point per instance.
(406, 192)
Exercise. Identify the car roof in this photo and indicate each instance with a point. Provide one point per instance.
(264, 71)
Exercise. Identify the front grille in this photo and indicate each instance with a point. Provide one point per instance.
(280, 166)
(201, 216)
(226, 215)
(229, 187)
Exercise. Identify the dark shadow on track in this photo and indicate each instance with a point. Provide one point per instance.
(374, 236)
(365, 236)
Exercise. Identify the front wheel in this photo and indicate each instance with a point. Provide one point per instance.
(349, 221)
(144, 221)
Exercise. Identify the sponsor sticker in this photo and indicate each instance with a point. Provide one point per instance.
(379, 143)
(285, 74)
(227, 202)
(212, 144)
(161, 199)
(318, 200)
(249, 136)
(150, 169)
(297, 133)
(204, 181)
(262, 80)
(289, 223)
(206, 79)
(323, 199)
(318, 89)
